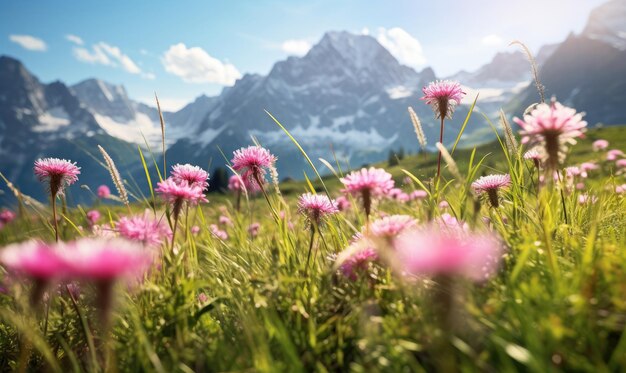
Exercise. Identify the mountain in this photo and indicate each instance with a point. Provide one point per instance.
(41, 120)
(587, 71)
(347, 91)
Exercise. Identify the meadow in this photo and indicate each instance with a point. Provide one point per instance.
(389, 268)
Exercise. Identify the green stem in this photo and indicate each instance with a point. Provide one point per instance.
(54, 217)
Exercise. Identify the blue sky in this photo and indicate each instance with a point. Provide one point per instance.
(181, 49)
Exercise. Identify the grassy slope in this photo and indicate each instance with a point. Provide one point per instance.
(556, 304)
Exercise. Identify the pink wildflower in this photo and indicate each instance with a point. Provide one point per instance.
(195, 230)
(620, 163)
(178, 194)
(144, 229)
(192, 175)
(225, 220)
(449, 222)
(368, 184)
(316, 207)
(434, 251)
(93, 216)
(343, 203)
(34, 259)
(358, 261)
(491, 184)
(103, 260)
(600, 145)
(551, 128)
(103, 192)
(217, 232)
(59, 173)
(7, 216)
(418, 194)
(391, 226)
(614, 154)
(253, 229)
(253, 162)
(443, 96)
(584, 199)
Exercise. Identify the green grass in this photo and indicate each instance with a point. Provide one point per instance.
(557, 303)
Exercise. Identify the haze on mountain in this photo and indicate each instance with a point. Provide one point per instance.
(347, 97)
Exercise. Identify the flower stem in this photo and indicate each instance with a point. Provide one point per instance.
(54, 216)
(441, 142)
(308, 257)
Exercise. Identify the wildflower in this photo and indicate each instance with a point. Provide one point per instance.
(253, 229)
(600, 145)
(178, 194)
(103, 192)
(614, 154)
(192, 175)
(202, 298)
(6, 216)
(449, 222)
(620, 163)
(343, 203)
(368, 184)
(391, 226)
(418, 194)
(144, 229)
(106, 259)
(584, 199)
(444, 204)
(316, 207)
(253, 162)
(490, 184)
(534, 155)
(357, 262)
(195, 230)
(585, 167)
(58, 173)
(36, 260)
(225, 220)
(552, 128)
(217, 232)
(93, 216)
(433, 251)
(443, 96)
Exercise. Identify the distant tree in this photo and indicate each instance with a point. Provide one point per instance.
(218, 181)
(401, 153)
(392, 160)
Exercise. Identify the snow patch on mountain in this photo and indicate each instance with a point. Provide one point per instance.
(52, 120)
(133, 130)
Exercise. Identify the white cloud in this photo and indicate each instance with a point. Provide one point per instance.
(404, 47)
(74, 39)
(195, 65)
(295, 47)
(109, 55)
(29, 42)
(492, 40)
(365, 31)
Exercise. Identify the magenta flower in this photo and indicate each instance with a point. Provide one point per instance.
(585, 167)
(195, 230)
(192, 175)
(316, 207)
(391, 226)
(237, 184)
(418, 194)
(443, 96)
(614, 154)
(58, 173)
(599, 145)
(552, 128)
(106, 260)
(253, 162)
(144, 229)
(443, 205)
(7, 216)
(178, 194)
(343, 204)
(253, 229)
(217, 232)
(93, 216)
(620, 163)
(225, 220)
(584, 199)
(450, 223)
(368, 184)
(358, 261)
(433, 251)
(103, 192)
(34, 259)
(490, 185)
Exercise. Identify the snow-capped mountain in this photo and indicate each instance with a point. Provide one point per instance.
(347, 91)
(587, 71)
(607, 23)
(41, 120)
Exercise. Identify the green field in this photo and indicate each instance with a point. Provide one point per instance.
(247, 304)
